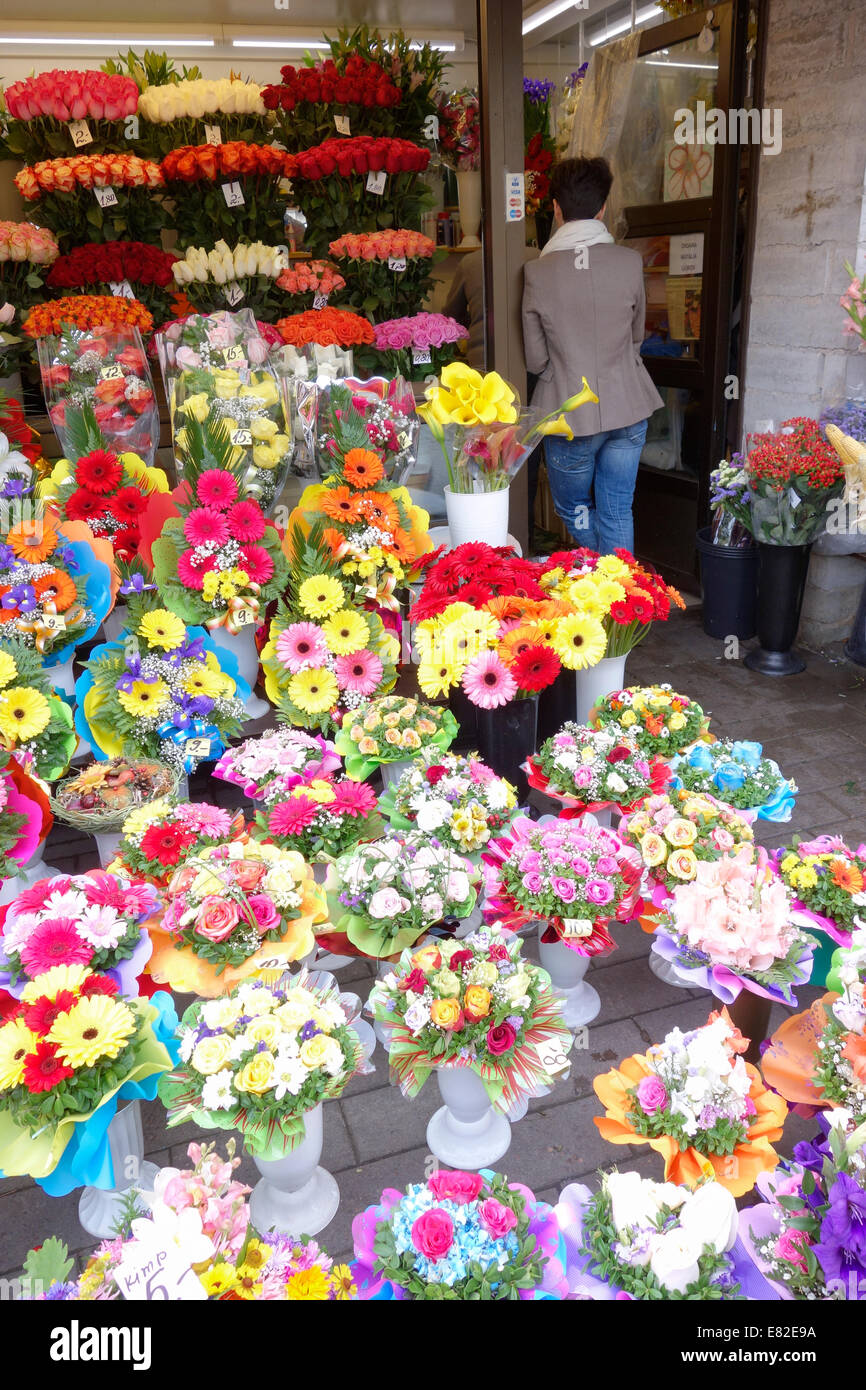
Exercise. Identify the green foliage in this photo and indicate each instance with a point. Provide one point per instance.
(153, 69)
(83, 434)
(47, 1265)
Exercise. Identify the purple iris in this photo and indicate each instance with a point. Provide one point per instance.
(67, 554)
(131, 674)
(190, 650)
(7, 557)
(22, 596)
(16, 487)
(135, 585)
(189, 707)
(309, 1030)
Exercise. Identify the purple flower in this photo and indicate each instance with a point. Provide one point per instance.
(135, 585)
(846, 1213)
(7, 557)
(309, 1030)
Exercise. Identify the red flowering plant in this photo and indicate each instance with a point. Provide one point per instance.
(229, 192)
(361, 181)
(129, 268)
(793, 476)
(105, 369)
(59, 112)
(322, 98)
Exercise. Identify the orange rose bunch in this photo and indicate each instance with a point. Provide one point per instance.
(87, 171)
(194, 163)
(86, 311)
(311, 277)
(393, 243)
(327, 327)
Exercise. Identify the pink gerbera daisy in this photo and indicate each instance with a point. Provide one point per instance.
(246, 521)
(359, 673)
(301, 645)
(353, 799)
(204, 526)
(32, 899)
(191, 570)
(257, 563)
(204, 819)
(55, 942)
(293, 816)
(488, 682)
(217, 488)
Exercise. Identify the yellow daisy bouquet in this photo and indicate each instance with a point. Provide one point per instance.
(35, 723)
(614, 600)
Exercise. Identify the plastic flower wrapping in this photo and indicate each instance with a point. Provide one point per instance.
(72, 1049)
(735, 771)
(268, 766)
(106, 370)
(35, 723)
(55, 586)
(384, 895)
(322, 819)
(616, 601)
(574, 876)
(162, 834)
(459, 1236)
(457, 798)
(25, 816)
(160, 691)
(655, 717)
(829, 883)
(136, 269)
(366, 431)
(587, 769)
(734, 927)
(460, 129)
(226, 1079)
(246, 273)
(391, 729)
(472, 1003)
(232, 911)
(100, 796)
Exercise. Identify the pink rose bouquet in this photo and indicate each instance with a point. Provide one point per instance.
(268, 767)
(65, 111)
(420, 345)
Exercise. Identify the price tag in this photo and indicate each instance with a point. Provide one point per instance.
(54, 622)
(552, 1056)
(123, 288)
(244, 617)
(150, 1271)
(577, 926)
(234, 354)
(80, 132)
(376, 182)
(114, 373)
(213, 135)
(421, 356)
(320, 301)
(272, 963)
(396, 262)
(233, 194)
(233, 293)
(106, 197)
(794, 497)
(242, 439)
(342, 124)
(197, 748)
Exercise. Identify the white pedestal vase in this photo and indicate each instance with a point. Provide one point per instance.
(469, 198)
(567, 970)
(597, 681)
(243, 645)
(477, 516)
(382, 1030)
(99, 1208)
(466, 1132)
(392, 772)
(107, 844)
(664, 971)
(294, 1195)
(115, 622)
(31, 873)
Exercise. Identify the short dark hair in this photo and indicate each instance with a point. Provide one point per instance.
(580, 186)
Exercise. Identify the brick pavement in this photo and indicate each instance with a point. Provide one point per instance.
(814, 724)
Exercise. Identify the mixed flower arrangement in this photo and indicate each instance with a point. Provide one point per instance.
(54, 593)
(735, 771)
(96, 197)
(107, 491)
(247, 273)
(587, 769)
(103, 370)
(460, 129)
(829, 883)
(35, 723)
(391, 729)
(676, 831)
(456, 798)
(793, 476)
(131, 265)
(271, 765)
(730, 502)
(540, 145)
(653, 716)
(498, 651)
(321, 819)
(616, 598)
(162, 834)
(366, 432)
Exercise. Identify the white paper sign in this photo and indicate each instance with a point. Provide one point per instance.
(80, 132)
(154, 1273)
(123, 288)
(686, 254)
(376, 182)
(114, 373)
(343, 125)
(320, 301)
(106, 197)
(397, 263)
(234, 354)
(794, 498)
(552, 1056)
(233, 293)
(242, 438)
(420, 356)
(243, 617)
(515, 197)
(233, 194)
(54, 622)
(197, 747)
(213, 135)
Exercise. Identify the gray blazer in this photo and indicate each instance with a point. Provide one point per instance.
(589, 323)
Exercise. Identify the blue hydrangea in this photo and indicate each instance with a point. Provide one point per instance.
(472, 1242)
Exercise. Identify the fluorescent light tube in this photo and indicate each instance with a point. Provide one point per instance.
(54, 42)
(624, 25)
(558, 7)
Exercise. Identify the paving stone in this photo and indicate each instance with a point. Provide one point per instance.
(385, 1122)
(629, 990)
(607, 1045)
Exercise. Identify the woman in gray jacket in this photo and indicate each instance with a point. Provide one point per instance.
(583, 315)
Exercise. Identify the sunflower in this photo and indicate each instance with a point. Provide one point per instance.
(310, 1285)
(204, 682)
(33, 540)
(144, 698)
(8, 669)
(314, 691)
(340, 504)
(320, 596)
(16, 1040)
(162, 629)
(96, 1027)
(580, 642)
(363, 468)
(345, 632)
(24, 713)
(57, 588)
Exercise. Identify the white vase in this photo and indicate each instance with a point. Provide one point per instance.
(597, 681)
(466, 1132)
(243, 645)
(107, 843)
(61, 676)
(477, 516)
(392, 772)
(567, 971)
(294, 1195)
(664, 971)
(31, 873)
(114, 623)
(99, 1208)
(469, 198)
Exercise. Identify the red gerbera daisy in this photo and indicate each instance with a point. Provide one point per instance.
(98, 984)
(128, 504)
(99, 471)
(535, 668)
(126, 542)
(40, 1016)
(43, 1069)
(84, 505)
(166, 843)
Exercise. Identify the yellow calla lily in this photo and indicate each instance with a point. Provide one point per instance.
(583, 397)
(558, 426)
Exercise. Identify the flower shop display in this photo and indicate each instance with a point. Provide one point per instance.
(93, 313)
(699, 1104)
(231, 911)
(194, 110)
(26, 254)
(416, 68)
(388, 733)
(95, 197)
(540, 146)
(736, 771)
(230, 190)
(35, 723)
(828, 880)
(457, 798)
(25, 820)
(321, 819)
(596, 769)
(733, 927)
(384, 895)
(460, 149)
(459, 1236)
(105, 369)
(311, 102)
(350, 180)
(247, 274)
(158, 836)
(65, 110)
(387, 272)
(487, 1022)
(418, 345)
(129, 268)
(273, 1093)
(472, 575)
(655, 717)
(309, 283)
(268, 766)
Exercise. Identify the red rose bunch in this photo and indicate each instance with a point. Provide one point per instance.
(98, 263)
(108, 498)
(361, 83)
(235, 159)
(73, 96)
(362, 154)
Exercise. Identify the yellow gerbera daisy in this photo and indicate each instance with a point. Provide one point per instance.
(345, 632)
(319, 790)
(436, 677)
(314, 691)
(162, 629)
(612, 567)
(203, 681)
(24, 713)
(16, 1040)
(51, 982)
(95, 1027)
(145, 698)
(311, 1285)
(219, 1280)
(342, 1282)
(320, 596)
(580, 642)
(8, 669)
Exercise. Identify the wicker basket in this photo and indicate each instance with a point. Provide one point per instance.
(99, 821)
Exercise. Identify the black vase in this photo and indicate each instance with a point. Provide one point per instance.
(507, 737)
(729, 575)
(556, 704)
(782, 571)
(466, 715)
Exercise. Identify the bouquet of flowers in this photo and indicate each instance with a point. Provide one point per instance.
(735, 771)
(310, 283)
(26, 253)
(733, 927)
(271, 765)
(460, 130)
(162, 834)
(793, 476)
(25, 816)
(574, 876)
(587, 769)
(387, 270)
(499, 651)
(160, 691)
(96, 920)
(349, 180)
(419, 345)
(456, 798)
(472, 1003)
(472, 575)
(459, 1237)
(391, 729)
(226, 1078)
(107, 371)
(102, 795)
(321, 819)
(95, 197)
(384, 895)
(231, 189)
(61, 110)
(540, 146)
(829, 883)
(72, 1051)
(130, 268)
(325, 327)
(730, 502)
(366, 432)
(197, 109)
(211, 342)
(653, 716)
(231, 911)
(312, 101)
(54, 591)
(35, 723)
(244, 274)
(93, 314)
(616, 600)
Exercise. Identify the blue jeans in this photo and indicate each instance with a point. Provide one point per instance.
(592, 482)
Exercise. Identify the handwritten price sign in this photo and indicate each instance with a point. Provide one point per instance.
(149, 1272)
(242, 438)
(106, 197)
(114, 373)
(197, 747)
(233, 194)
(213, 135)
(80, 132)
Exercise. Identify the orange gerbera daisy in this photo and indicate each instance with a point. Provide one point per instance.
(846, 876)
(33, 540)
(380, 510)
(340, 504)
(56, 588)
(403, 546)
(505, 606)
(334, 540)
(363, 468)
(854, 1052)
(517, 641)
(676, 596)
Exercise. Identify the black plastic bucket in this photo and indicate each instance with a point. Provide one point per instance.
(729, 585)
